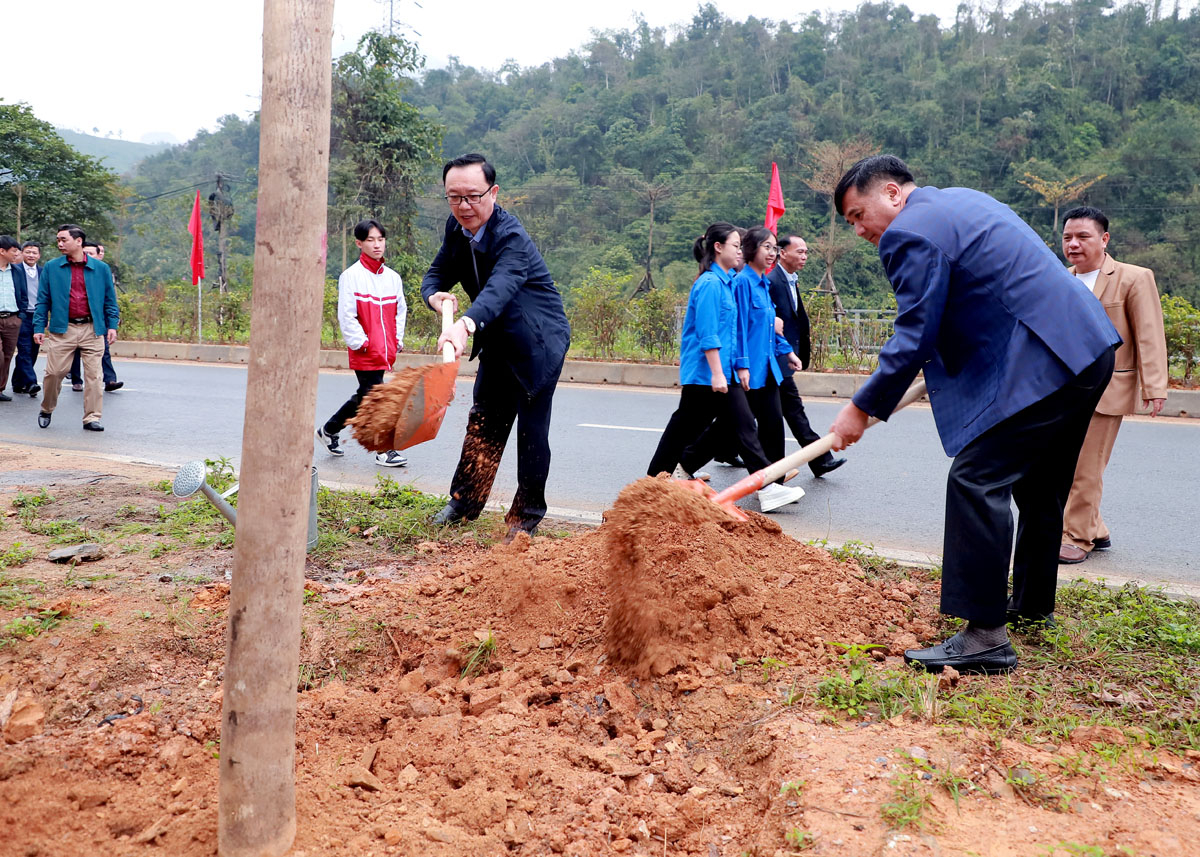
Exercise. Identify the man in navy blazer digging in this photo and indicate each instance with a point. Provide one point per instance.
(1016, 352)
(520, 334)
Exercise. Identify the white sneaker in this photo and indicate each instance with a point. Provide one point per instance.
(702, 475)
(680, 473)
(771, 497)
(391, 458)
(329, 441)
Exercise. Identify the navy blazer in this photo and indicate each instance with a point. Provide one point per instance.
(985, 308)
(20, 288)
(795, 321)
(518, 313)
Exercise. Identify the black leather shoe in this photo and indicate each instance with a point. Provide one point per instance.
(515, 530)
(1102, 544)
(448, 515)
(4, 397)
(820, 468)
(94, 425)
(1029, 623)
(78, 388)
(44, 420)
(113, 385)
(34, 390)
(997, 659)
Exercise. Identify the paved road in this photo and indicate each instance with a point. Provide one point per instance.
(889, 495)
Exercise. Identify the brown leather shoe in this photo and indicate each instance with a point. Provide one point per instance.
(1069, 555)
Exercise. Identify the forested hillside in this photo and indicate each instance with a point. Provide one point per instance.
(619, 153)
(1028, 105)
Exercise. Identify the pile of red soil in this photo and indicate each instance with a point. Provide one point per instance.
(672, 583)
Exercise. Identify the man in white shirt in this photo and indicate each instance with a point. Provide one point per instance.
(12, 296)
(24, 379)
(1131, 301)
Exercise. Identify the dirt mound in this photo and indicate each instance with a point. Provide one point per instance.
(671, 584)
(687, 585)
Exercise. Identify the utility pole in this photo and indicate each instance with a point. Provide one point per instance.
(257, 788)
(221, 211)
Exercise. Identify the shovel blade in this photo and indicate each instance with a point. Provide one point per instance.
(425, 408)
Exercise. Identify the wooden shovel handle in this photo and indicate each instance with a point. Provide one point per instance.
(814, 450)
(447, 323)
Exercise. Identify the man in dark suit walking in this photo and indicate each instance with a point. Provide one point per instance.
(520, 333)
(1016, 353)
(785, 293)
(24, 379)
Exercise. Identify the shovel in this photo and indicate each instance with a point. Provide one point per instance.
(743, 488)
(410, 408)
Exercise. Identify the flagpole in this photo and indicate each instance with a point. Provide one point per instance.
(199, 315)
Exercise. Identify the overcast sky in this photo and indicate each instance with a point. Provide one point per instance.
(137, 69)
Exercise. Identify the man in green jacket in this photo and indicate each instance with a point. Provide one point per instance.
(77, 307)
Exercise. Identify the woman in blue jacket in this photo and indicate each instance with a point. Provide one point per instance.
(707, 361)
(759, 343)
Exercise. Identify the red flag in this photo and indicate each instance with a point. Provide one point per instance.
(775, 206)
(195, 227)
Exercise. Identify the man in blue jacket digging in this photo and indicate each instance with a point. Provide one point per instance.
(1016, 352)
(520, 335)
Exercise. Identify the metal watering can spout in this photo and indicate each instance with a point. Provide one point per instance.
(192, 478)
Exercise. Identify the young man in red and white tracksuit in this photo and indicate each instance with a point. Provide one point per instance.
(371, 314)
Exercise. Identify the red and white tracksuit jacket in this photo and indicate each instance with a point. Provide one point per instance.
(371, 313)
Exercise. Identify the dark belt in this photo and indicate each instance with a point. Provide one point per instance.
(80, 319)
(7, 314)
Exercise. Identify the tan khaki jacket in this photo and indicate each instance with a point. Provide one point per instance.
(1131, 301)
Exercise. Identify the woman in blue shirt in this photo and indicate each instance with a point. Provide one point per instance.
(759, 343)
(707, 360)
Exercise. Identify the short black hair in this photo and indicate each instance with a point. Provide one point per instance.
(72, 230)
(7, 242)
(489, 172)
(362, 229)
(752, 239)
(91, 244)
(29, 244)
(1087, 212)
(785, 241)
(867, 172)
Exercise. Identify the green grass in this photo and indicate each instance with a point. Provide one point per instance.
(1121, 657)
(28, 626)
(393, 517)
(479, 655)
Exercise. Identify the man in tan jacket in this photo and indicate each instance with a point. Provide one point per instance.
(1131, 301)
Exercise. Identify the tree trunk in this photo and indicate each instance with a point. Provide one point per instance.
(257, 809)
(20, 193)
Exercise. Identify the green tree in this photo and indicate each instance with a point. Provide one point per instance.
(381, 145)
(44, 182)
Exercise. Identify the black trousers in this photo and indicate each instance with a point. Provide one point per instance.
(110, 374)
(499, 400)
(685, 440)
(24, 375)
(1028, 459)
(367, 378)
(797, 419)
(720, 439)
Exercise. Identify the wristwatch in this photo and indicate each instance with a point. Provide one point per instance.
(469, 324)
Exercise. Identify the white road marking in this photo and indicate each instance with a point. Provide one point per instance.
(788, 439)
(619, 428)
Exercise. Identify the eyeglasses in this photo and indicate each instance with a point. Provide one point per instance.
(470, 199)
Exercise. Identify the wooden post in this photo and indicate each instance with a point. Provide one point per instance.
(257, 811)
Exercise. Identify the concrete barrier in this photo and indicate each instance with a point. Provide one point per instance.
(835, 385)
